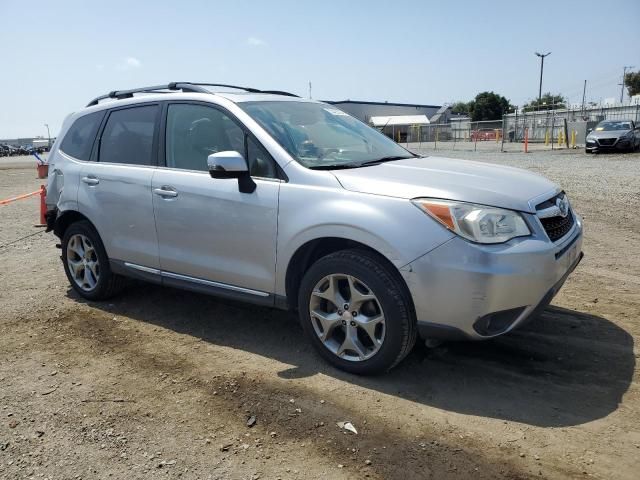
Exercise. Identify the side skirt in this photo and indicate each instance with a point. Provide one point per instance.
(193, 284)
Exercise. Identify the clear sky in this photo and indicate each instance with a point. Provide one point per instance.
(56, 56)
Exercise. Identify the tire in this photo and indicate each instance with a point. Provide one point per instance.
(379, 291)
(99, 283)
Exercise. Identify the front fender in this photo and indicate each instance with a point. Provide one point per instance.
(393, 227)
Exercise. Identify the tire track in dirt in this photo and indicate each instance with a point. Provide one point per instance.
(234, 397)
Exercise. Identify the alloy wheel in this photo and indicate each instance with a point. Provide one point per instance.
(82, 260)
(347, 317)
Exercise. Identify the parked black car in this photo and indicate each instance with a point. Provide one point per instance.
(9, 150)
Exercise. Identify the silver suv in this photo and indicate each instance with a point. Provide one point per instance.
(265, 197)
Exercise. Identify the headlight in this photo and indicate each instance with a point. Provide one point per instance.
(591, 139)
(478, 223)
(627, 135)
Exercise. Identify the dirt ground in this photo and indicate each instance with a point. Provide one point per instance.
(159, 383)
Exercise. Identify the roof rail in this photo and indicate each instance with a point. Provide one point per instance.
(246, 89)
(120, 94)
(184, 86)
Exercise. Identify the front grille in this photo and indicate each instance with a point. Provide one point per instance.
(606, 141)
(557, 226)
(549, 203)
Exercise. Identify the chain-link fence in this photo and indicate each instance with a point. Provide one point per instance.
(563, 127)
(533, 130)
(461, 133)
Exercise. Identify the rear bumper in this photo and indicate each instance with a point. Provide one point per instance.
(463, 290)
(50, 217)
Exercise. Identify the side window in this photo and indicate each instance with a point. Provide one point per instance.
(128, 136)
(261, 164)
(196, 131)
(80, 137)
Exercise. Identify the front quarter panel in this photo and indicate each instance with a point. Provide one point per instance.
(393, 227)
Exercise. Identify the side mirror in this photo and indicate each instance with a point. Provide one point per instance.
(589, 130)
(228, 164)
(231, 164)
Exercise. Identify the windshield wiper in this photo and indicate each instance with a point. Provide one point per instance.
(377, 161)
(390, 158)
(334, 166)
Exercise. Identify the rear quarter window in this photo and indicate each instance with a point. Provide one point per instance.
(80, 137)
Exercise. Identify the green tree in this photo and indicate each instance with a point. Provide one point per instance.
(547, 102)
(461, 107)
(488, 106)
(632, 81)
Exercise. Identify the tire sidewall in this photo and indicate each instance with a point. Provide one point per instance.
(88, 231)
(392, 302)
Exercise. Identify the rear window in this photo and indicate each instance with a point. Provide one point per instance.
(79, 139)
(128, 136)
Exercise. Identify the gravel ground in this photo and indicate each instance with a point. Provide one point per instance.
(159, 383)
(20, 161)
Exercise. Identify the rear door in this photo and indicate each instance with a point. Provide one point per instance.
(209, 232)
(115, 189)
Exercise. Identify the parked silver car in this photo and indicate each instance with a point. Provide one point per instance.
(613, 135)
(292, 203)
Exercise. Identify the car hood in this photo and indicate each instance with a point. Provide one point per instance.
(608, 133)
(451, 179)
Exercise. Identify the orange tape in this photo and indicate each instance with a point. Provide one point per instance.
(19, 197)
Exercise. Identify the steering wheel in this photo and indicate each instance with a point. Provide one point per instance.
(327, 152)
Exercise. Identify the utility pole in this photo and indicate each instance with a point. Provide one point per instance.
(624, 74)
(584, 91)
(309, 90)
(48, 135)
(541, 55)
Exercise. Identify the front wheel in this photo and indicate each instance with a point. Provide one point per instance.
(86, 263)
(357, 312)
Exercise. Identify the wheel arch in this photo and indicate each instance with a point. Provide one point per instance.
(311, 251)
(66, 218)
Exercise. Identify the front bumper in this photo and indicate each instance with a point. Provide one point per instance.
(617, 146)
(463, 290)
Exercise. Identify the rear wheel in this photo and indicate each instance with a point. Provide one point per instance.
(86, 263)
(356, 312)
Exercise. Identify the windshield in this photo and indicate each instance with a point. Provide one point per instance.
(609, 125)
(321, 136)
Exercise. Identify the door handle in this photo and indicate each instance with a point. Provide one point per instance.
(165, 192)
(90, 180)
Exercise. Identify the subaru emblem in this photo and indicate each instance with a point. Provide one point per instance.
(563, 206)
